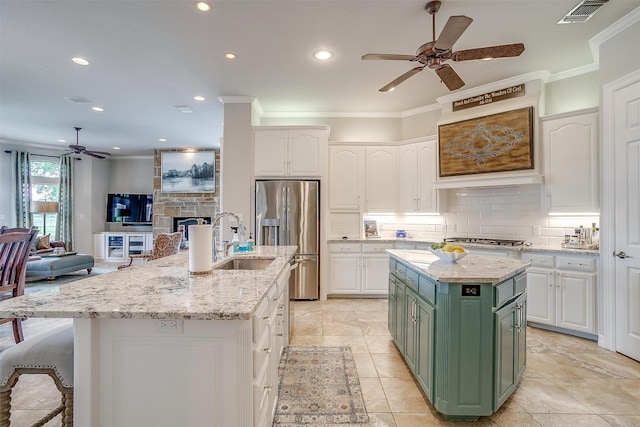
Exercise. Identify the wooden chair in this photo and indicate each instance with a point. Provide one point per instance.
(166, 244)
(49, 353)
(14, 253)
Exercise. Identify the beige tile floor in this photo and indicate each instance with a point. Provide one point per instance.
(568, 381)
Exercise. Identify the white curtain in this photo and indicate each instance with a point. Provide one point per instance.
(21, 176)
(64, 225)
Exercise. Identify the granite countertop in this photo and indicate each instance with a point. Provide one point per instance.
(525, 247)
(159, 289)
(470, 269)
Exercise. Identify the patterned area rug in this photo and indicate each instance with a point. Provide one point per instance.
(319, 386)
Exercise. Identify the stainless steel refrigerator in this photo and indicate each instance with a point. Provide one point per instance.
(288, 213)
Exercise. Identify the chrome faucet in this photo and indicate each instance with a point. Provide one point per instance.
(241, 230)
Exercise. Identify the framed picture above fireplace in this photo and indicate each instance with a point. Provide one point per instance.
(188, 171)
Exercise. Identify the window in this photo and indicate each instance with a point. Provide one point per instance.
(45, 180)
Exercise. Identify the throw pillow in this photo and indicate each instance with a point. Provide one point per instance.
(44, 242)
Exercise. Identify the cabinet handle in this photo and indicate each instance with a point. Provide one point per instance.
(267, 387)
(267, 350)
(279, 335)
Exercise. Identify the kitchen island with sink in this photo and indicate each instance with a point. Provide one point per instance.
(461, 328)
(155, 346)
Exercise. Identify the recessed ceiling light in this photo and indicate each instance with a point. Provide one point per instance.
(230, 55)
(203, 6)
(80, 61)
(162, 140)
(199, 98)
(62, 140)
(116, 148)
(99, 109)
(323, 55)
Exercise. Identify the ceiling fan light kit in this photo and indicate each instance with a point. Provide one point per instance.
(433, 54)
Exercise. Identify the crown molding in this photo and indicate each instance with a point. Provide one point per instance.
(611, 31)
(311, 114)
(573, 72)
(236, 99)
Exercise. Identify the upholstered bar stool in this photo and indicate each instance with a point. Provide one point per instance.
(49, 353)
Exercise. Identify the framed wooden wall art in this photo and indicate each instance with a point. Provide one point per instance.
(495, 143)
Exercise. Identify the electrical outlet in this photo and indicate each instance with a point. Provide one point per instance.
(536, 230)
(169, 326)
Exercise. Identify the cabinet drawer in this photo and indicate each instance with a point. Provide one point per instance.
(519, 283)
(260, 319)
(411, 279)
(345, 247)
(502, 292)
(376, 247)
(398, 269)
(427, 289)
(538, 260)
(576, 263)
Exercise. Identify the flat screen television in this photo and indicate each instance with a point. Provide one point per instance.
(130, 208)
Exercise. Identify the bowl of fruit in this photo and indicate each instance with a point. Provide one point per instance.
(448, 252)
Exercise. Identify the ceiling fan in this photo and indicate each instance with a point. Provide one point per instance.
(433, 54)
(80, 149)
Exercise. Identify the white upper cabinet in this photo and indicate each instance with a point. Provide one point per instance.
(570, 144)
(381, 179)
(346, 177)
(288, 152)
(417, 177)
(270, 152)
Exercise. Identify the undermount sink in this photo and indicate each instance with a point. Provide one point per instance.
(244, 264)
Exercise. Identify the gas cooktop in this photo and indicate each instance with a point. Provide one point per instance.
(483, 241)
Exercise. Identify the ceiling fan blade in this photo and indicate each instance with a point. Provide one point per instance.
(453, 29)
(502, 51)
(101, 153)
(96, 154)
(389, 56)
(400, 79)
(449, 77)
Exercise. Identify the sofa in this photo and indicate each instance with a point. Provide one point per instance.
(45, 262)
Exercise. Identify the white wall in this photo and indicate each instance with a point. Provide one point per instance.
(571, 94)
(131, 175)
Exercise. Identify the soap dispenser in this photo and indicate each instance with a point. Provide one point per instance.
(250, 243)
(235, 240)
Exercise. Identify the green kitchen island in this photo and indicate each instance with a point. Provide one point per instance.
(461, 328)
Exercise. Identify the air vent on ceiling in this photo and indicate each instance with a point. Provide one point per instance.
(582, 12)
(185, 109)
(77, 99)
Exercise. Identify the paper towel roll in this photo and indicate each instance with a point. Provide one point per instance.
(200, 248)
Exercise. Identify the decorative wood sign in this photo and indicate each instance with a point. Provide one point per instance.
(489, 97)
(495, 143)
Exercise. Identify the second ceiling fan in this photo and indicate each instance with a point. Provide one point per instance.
(433, 54)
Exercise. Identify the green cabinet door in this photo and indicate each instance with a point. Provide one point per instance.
(425, 332)
(396, 318)
(510, 351)
(411, 331)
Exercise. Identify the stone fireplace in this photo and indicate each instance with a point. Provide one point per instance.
(167, 206)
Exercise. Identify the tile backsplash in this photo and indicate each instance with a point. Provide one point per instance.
(513, 212)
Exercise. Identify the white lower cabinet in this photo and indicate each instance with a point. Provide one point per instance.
(114, 246)
(270, 336)
(359, 268)
(562, 291)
